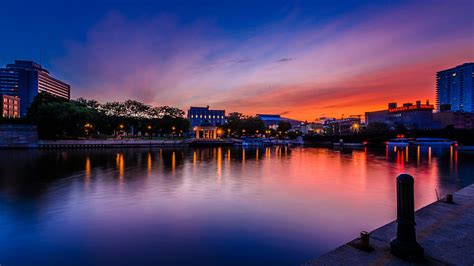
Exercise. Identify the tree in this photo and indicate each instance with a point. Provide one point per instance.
(251, 125)
(59, 118)
(284, 126)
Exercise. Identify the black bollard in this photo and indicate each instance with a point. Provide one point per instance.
(404, 245)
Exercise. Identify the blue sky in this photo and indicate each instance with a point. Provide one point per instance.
(301, 58)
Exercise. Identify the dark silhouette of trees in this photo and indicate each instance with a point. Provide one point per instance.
(58, 118)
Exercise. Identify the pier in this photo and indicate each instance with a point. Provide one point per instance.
(444, 230)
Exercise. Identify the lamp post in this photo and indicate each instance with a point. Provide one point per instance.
(355, 127)
(173, 128)
(121, 127)
(149, 131)
(87, 128)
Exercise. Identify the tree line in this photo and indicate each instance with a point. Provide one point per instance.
(58, 118)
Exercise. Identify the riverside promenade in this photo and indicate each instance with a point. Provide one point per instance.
(444, 230)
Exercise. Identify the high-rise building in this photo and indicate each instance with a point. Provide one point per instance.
(25, 79)
(199, 115)
(455, 89)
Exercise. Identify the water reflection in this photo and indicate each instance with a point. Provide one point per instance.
(286, 204)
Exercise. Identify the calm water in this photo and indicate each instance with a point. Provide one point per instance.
(209, 206)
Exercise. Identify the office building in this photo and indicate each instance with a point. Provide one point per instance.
(25, 79)
(10, 106)
(409, 115)
(456, 120)
(454, 89)
(200, 115)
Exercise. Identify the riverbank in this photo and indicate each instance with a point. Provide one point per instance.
(444, 230)
(108, 143)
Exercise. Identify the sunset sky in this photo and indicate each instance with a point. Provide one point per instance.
(301, 59)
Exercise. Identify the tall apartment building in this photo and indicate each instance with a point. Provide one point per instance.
(25, 79)
(455, 89)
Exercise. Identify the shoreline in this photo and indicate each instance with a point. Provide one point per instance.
(444, 230)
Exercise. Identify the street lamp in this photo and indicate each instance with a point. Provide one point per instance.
(355, 127)
(149, 131)
(87, 128)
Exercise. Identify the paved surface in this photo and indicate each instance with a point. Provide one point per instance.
(445, 231)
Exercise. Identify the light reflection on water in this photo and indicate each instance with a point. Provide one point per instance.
(209, 206)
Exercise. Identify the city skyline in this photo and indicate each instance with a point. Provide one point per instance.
(293, 59)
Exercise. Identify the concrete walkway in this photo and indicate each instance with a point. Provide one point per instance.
(445, 231)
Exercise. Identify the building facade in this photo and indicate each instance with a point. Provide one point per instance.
(410, 115)
(10, 106)
(272, 120)
(344, 126)
(25, 79)
(457, 120)
(455, 89)
(200, 115)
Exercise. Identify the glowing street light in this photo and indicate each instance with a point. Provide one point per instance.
(355, 127)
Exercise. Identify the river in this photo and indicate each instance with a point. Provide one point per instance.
(206, 206)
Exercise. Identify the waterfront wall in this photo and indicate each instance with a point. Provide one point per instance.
(443, 229)
(18, 136)
(107, 143)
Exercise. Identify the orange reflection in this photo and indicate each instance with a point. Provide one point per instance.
(173, 162)
(228, 154)
(149, 163)
(256, 155)
(451, 158)
(120, 165)
(418, 155)
(194, 158)
(219, 162)
(243, 155)
(429, 155)
(88, 169)
(406, 154)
